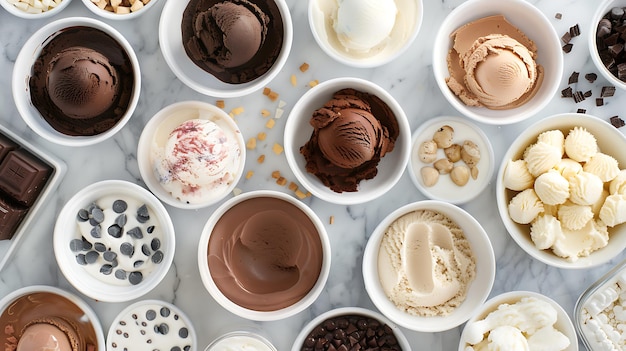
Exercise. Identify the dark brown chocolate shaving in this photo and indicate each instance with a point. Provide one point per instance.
(574, 30)
(587, 93)
(591, 77)
(566, 37)
(617, 122)
(579, 96)
(573, 78)
(599, 101)
(567, 92)
(581, 110)
(567, 48)
(607, 91)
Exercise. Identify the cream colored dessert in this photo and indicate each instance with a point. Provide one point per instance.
(492, 64)
(528, 324)
(425, 264)
(569, 201)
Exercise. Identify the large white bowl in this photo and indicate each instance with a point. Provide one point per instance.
(66, 229)
(349, 311)
(170, 40)
(529, 20)
(89, 316)
(563, 323)
(298, 131)
(404, 32)
(602, 9)
(23, 14)
(22, 72)
(610, 141)
(477, 292)
(222, 299)
(166, 120)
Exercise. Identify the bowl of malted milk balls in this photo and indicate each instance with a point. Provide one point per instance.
(561, 191)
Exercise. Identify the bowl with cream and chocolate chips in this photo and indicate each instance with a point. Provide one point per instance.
(114, 241)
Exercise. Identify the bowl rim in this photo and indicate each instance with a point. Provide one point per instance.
(547, 123)
(239, 90)
(478, 239)
(19, 13)
(83, 281)
(143, 151)
(171, 306)
(75, 299)
(350, 310)
(471, 191)
(297, 117)
(234, 333)
(370, 62)
(517, 295)
(254, 315)
(21, 73)
(115, 16)
(604, 7)
(518, 114)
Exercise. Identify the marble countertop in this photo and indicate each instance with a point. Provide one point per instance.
(409, 79)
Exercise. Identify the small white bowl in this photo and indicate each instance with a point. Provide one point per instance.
(49, 301)
(22, 72)
(12, 9)
(162, 324)
(445, 189)
(602, 9)
(530, 21)
(403, 34)
(88, 278)
(349, 311)
(110, 15)
(563, 323)
(239, 340)
(162, 123)
(298, 131)
(268, 315)
(170, 40)
(477, 292)
(610, 141)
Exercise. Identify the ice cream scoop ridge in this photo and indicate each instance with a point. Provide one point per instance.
(81, 82)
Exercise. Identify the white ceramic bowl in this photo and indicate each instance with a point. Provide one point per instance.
(477, 292)
(22, 72)
(70, 310)
(405, 30)
(239, 340)
(115, 16)
(298, 131)
(603, 8)
(170, 40)
(563, 323)
(165, 121)
(228, 304)
(12, 9)
(530, 21)
(610, 141)
(164, 324)
(349, 311)
(87, 278)
(445, 189)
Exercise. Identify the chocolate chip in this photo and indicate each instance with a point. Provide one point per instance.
(175, 348)
(96, 232)
(109, 256)
(86, 245)
(115, 231)
(150, 229)
(155, 244)
(76, 245)
(138, 263)
(121, 220)
(183, 332)
(161, 329)
(127, 249)
(106, 269)
(80, 258)
(135, 233)
(120, 274)
(150, 315)
(142, 214)
(97, 215)
(157, 257)
(165, 312)
(91, 257)
(145, 249)
(82, 215)
(100, 247)
(135, 278)
(119, 206)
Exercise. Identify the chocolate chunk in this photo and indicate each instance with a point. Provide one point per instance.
(617, 122)
(616, 49)
(581, 110)
(558, 15)
(587, 93)
(567, 48)
(11, 215)
(6, 146)
(566, 37)
(607, 91)
(574, 30)
(23, 176)
(567, 92)
(599, 101)
(591, 77)
(579, 96)
(573, 78)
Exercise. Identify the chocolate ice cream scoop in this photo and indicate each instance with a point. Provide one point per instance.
(51, 333)
(352, 132)
(81, 82)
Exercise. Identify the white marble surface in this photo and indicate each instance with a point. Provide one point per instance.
(409, 79)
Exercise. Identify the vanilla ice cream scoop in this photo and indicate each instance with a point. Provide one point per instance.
(573, 216)
(568, 168)
(552, 188)
(613, 211)
(604, 166)
(585, 188)
(516, 176)
(507, 338)
(618, 184)
(553, 137)
(363, 24)
(572, 244)
(544, 230)
(580, 145)
(525, 207)
(541, 157)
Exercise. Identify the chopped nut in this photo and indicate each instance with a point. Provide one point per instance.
(270, 123)
(314, 83)
(443, 136)
(266, 91)
(300, 194)
(237, 191)
(276, 174)
(249, 174)
(281, 181)
(453, 153)
(251, 144)
(443, 165)
(265, 113)
(261, 159)
(237, 110)
(294, 80)
(277, 148)
(304, 67)
(331, 220)
(261, 136)
(293, 186)
(430, 176)
(220, 103)
(273, 96)
(427, 151)
(474, 172)
(470, 153)
(460, 175)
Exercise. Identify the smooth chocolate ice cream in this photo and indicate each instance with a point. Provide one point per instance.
(352, 132)
(235, 40)
(265, 254)
(82, 81)
(43, 319)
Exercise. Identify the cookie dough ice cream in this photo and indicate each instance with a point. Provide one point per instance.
(236, 41)
(492, 64)
(561, 188)
(352, 132)
(425, 264)
(82, 81)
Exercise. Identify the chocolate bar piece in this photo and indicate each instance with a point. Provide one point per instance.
(22, 176)
(6, 145)
(11, 216)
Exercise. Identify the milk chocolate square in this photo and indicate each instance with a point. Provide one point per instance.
(22, 175)
(11, 216)
(6, 145)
